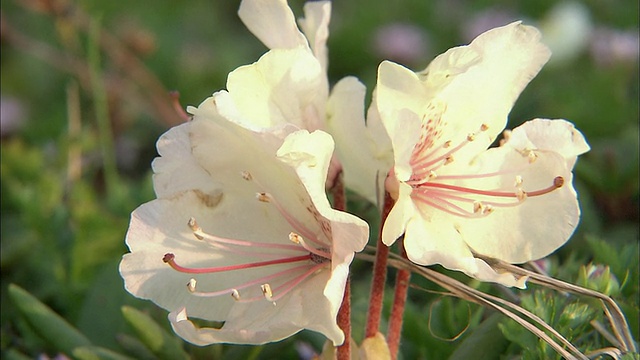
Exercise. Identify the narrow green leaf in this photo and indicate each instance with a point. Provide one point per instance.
(45, 322)
(97, 353)
(161, 343)
(135, 347)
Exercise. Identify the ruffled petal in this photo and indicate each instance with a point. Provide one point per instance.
(505, 59)
(273, 22)
(283, 86)
(559, 135)
(315, 26)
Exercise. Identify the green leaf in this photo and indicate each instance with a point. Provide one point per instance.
(45, 322)
(135, 347)
(161, 343)
(97, 353)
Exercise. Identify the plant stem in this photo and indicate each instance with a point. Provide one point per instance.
(379, 275)
(344, 314)
(397, 311)
(344, 322)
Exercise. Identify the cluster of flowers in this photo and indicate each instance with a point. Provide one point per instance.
(242, 231)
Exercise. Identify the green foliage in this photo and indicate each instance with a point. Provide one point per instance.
(49, 325)
(160, 342)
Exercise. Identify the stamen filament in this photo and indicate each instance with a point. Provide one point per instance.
(297, 225)
(557, 183)
(283, 289)
(170, 259)
(421, 163)
(258, 281)
(213, 240)
(430, 201)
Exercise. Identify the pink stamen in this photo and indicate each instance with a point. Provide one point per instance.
(424, 198)
(170, 259)
(286, 287)
(295, 223)
(215, 240)
(421, 163)
(557, 183)
(258, 281)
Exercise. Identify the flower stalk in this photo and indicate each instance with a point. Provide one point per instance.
(379, 275)
(394, 330)
(344, 314)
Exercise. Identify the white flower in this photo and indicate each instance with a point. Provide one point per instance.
(456, 200)
(289, 84)
(242, 233)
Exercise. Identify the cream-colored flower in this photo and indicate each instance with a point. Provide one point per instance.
(458, 200)
(289, 84)
(242, 233)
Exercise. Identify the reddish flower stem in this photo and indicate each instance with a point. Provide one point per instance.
(397, 311)
(379, 275)
(344, 322)
(344, 314)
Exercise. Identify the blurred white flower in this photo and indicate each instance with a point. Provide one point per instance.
(456, 201)
(241, 232)
(566, 30)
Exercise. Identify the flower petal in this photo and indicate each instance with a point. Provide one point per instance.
(399, 96)
(273, 22)
(283, 86)
(315, 26)
(530, 229)
(263, 322)
(509, 57)
(559, 135)
(364, 149)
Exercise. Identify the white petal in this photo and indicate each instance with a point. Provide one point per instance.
(400, 96)
(283, 86)
(315, 26)
(537, 226)
(365, 154)
(309, 154)
(273, 22)
(261, 322)
(510, 56)
(559, 135)
(402, 212)
(437, 241)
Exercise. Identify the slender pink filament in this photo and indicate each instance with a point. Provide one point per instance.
(283, 289)
(297, 225)
(422, 163)
(557, 183)
(258, 281)
(170, 259)
(430, 201)
(215, 240)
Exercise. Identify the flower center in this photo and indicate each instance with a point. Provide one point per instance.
(275, 284)
(431, 155)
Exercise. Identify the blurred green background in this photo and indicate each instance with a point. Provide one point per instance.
(80, 118)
